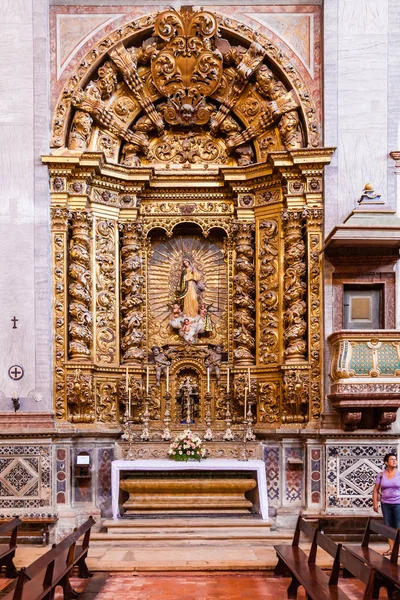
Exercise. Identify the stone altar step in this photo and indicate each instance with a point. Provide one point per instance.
(187, 530)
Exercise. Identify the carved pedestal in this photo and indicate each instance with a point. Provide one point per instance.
(187, 496)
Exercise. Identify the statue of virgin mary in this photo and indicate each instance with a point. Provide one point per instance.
(188, 292)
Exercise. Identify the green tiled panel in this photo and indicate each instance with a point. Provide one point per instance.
(388, 360)
(361, 360)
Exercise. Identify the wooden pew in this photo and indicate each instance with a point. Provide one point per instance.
(54, 568)
(7, 551)
(388, 571)
(34, 529)
(304, 571)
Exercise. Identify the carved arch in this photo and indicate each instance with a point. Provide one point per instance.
(141, 104)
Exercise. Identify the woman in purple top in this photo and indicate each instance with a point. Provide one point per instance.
(388, 485)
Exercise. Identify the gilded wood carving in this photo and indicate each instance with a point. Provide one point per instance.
(187, 224)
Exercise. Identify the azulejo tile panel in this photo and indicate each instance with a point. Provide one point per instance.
(272, 467)
(351, 471)
(25, 480)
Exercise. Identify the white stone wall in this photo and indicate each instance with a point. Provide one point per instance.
(24, 222)
(357, 47)
(361, 110)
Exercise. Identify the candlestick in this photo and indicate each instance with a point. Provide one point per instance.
(166, 436)
(245, 402)
(167, 379)
(208, 380)
(228, 436)
(227, 380)
(129, 403)
(147, 380)
(145, 436)
(208, 436)
(248, 376)
(126, 380)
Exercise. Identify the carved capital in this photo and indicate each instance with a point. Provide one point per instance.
(80, 398)
(314, 217)
(60, 218)
(296, 389)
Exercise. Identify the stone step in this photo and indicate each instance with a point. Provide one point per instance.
(196, 530)
(193, 523)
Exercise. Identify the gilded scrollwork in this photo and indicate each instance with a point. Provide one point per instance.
(132, 294)
(220, 403)
(269, 292)
(243, 334)
(168, 78)
(59, 220)
(270, 402)
(80, 303)
(106, 303)
(106, 402)
(314, 218)
(81, 405)
(187, 63)
(137, 399)
(295, 288)
(296, 388)
(191, 148)
(155, 402)
(80, 130)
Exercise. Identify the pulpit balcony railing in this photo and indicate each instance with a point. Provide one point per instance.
(365, 377)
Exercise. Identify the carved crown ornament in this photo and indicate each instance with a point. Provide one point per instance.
(183, 88)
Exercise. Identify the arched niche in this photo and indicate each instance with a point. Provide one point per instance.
(205, 255)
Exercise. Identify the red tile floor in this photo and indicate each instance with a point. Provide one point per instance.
(202, 586)
(199, 586)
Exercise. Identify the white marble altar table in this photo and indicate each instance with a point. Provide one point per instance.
(208, 464)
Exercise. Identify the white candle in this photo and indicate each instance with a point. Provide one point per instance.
(129, 403)
(147, 380)
(248, 373)
(208, 380)
(167, 379)
(227, 380)
(245, 402)
(15, 395)
(126, 380)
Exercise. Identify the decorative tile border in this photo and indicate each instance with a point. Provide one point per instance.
(25, 476)
(351, 471)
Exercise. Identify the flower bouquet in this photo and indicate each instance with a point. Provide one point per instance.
(187, 445)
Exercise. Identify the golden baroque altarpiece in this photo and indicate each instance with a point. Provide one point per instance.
(187, 213)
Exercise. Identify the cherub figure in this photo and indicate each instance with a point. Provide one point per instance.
(161, 361)
(186, 331)
(213, 361)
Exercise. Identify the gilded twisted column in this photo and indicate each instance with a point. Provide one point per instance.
(243, 334)
(80, 322)
(132, 297)
(295, 288)
(59, 223)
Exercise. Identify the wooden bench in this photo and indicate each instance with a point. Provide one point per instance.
(53, 569)
(340, 528)
(9, 531)
(304, 571)
(34, 529)
(387, 570)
